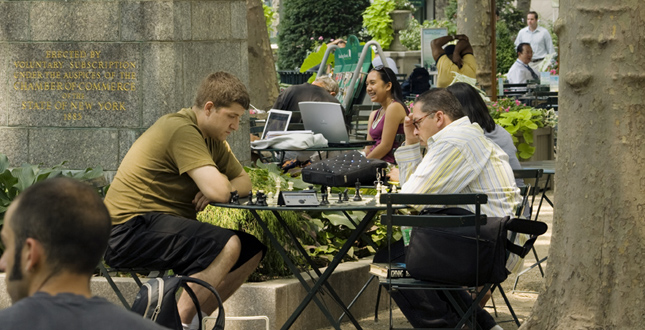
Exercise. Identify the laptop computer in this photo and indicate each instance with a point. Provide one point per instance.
(327, 119)
(277, 120)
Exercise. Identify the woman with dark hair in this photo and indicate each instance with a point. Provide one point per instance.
(477, 111)
(385, 123)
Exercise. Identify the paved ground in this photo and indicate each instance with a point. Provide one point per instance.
(529, 284)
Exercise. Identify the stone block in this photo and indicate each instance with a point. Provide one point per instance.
(211, 20)
(74, 21)
(12, 17)
(15, 144)
(239, 28)
(226, 57)
(154, 20)
(80, 148)
(161, 89)
(71, 84)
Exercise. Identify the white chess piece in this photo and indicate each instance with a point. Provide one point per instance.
(290, 183)
(394, 189)
(277, 187)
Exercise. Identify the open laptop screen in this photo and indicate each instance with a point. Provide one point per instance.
(278, 120)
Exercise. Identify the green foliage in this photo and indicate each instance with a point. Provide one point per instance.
(269, 17)
(14, 181)
(521, 120)
(451, 11)
(505, 48)
(315, 58)
(514, 19)
(411, 37)
(304, 19)
(378, 23)
(403, 5)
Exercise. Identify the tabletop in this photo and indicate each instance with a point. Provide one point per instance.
(547, 165)
(367, 204)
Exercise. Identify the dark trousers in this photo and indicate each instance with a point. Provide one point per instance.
(429, 308)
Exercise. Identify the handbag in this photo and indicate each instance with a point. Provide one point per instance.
(449, 255)
(344, 170)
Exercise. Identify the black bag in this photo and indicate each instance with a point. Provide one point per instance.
(157, 301)
(448, 255)
(344, 170)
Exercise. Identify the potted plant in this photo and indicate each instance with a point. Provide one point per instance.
(525, 124)
(384, 18)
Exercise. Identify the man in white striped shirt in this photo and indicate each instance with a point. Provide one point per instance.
(459, 158)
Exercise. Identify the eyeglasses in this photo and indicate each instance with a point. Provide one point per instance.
(417, 122)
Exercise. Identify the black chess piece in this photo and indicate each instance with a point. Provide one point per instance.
(345, 195)
(261, 199)
(235, 198)
(324, 200)
(251, 202)
(340, 197)
(357, 194)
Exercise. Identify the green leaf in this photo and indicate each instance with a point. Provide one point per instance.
(528, 137)
(4, 162)
(338, 219)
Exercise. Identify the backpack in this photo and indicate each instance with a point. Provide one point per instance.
(417, 83)
(447, 255)
(157, 301)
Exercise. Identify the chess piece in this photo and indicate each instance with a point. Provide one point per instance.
(357, 193)
(345, 196)
(235, 198)
(394, 189)
(384, 189)
(270, 197)
(324, 200)
(290, 185)
(340, 197)
(261, 198)
(278, 184)
(251, 202)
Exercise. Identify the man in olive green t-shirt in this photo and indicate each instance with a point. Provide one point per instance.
(178, 166)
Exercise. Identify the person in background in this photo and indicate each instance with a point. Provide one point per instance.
(385, 123)
(323, 89)
(520, 72)
(475, 108)
(377, 61)
(538, 37)
(458, 58)
(54, 234)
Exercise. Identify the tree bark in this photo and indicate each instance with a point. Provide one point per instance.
(523, 6)
(263, 81)
(473, 20)
(596, 264)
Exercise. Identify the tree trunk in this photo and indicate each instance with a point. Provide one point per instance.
(596, 264)
(473, 20)
(440, 9)
(524, 6)
(263, 79)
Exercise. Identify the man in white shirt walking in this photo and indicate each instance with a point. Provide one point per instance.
(538, 37)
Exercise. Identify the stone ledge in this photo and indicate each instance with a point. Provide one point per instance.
(276, 299)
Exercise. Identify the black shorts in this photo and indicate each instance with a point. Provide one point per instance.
(162, 241)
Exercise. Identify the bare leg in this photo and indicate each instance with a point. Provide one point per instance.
(213, 274)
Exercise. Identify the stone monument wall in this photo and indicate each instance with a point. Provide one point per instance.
(81, 80)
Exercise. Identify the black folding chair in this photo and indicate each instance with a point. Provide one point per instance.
(465, 310)
(134, 272)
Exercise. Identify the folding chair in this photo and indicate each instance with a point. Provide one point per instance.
(534, 176)
(134, 272)
(466, 311)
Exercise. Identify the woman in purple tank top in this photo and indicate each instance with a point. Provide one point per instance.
(386, 122)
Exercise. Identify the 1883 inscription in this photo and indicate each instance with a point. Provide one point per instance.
(73, 83)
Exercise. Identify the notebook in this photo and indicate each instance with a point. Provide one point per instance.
(277, 120)
(327, 119)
